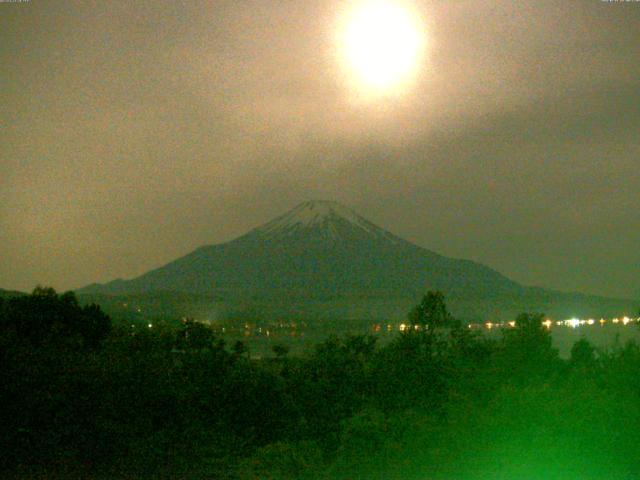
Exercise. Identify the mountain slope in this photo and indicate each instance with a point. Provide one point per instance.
(316, 248)
(321, 259)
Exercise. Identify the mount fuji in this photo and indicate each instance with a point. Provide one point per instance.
(322, 253)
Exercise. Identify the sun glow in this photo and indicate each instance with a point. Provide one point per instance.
(382, 44)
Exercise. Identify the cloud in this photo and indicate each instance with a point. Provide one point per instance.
(135, 133)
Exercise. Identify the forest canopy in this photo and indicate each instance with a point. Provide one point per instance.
(84, 396)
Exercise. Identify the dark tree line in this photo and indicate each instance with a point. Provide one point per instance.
(45, 317)
(84, 398)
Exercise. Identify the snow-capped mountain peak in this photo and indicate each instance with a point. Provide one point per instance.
(317, 214)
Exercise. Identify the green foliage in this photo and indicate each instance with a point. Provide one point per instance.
(409, 372)
(173, 402)
(583, 354)
(527, 349)
(431, 312)
(46, 318)
(194, 336)
(280, 351)
(283, 461)
(239, 348)
(330, 385)
(370, 443)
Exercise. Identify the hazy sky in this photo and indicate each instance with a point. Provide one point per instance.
(133, 132)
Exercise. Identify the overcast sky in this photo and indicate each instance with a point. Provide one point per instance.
(133, 132)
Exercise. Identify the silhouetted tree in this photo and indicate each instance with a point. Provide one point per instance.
(280, 351)
(194, 336)
(95, 326)
(46, 317)
(239, 348)
(583, 354)
(528, 347)
(409, 372)
(431, 312)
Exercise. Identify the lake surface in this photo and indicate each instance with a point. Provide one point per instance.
(601, 336)
(299, 340)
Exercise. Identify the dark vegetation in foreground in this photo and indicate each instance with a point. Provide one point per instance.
(82, 398)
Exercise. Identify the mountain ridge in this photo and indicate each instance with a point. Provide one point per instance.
(328, 240)
(322, 249)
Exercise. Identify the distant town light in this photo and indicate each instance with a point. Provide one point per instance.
(573, 323)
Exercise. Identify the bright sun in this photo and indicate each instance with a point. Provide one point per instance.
(381, 44)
